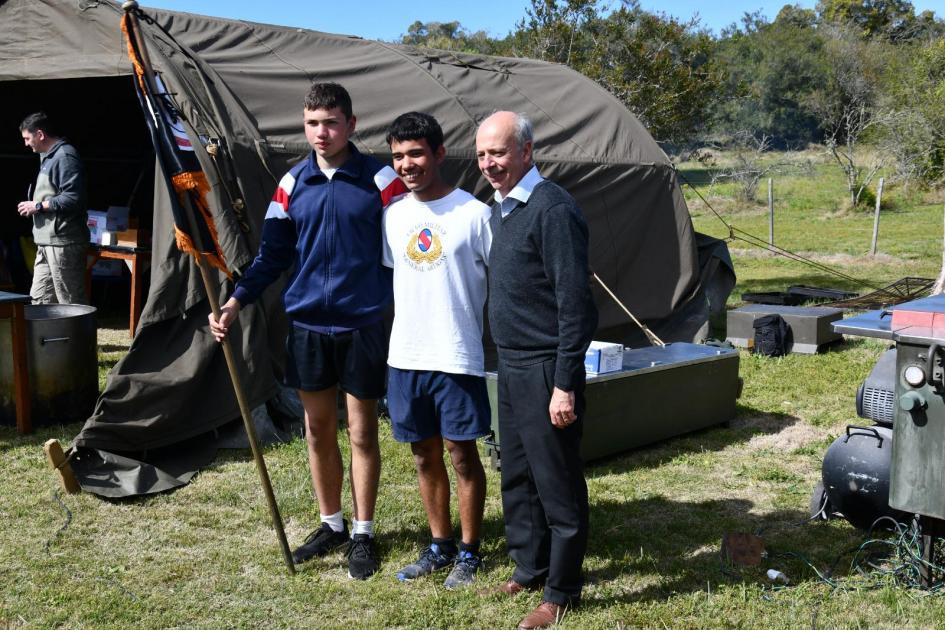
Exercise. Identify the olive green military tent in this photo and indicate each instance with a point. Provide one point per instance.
(240, 87)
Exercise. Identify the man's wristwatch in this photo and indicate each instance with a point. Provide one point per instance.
(39, 206)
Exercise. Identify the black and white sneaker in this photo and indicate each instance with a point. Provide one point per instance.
(320, 542)
(362, 561)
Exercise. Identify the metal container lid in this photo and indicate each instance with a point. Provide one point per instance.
(35, 312)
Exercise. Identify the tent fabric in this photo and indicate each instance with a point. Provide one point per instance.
(136, 473)
(240, 86)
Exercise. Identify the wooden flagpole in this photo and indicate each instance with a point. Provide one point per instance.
(130, 7)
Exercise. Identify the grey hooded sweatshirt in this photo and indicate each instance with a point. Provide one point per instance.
(61, 183)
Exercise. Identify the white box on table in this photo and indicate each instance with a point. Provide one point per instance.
(603, 357)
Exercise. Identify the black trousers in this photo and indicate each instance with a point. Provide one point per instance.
(544, 495)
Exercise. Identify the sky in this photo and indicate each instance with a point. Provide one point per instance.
(387, 20)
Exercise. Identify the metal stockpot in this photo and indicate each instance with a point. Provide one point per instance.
(62, 356)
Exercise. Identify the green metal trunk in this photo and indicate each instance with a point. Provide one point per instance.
(660, 393)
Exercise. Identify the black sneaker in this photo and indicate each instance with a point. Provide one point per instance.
(464, 571)
(431, 559)
(320, 542)
(362, 562)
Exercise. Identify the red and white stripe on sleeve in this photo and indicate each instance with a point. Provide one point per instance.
(389, 184)
(279, 206)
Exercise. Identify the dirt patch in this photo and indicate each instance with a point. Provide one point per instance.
(777, 433)
(792, 437)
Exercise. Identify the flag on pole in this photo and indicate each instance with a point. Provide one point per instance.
(178, 160)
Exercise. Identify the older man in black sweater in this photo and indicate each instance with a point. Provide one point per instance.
(542, 318)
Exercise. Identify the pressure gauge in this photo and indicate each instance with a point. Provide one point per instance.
(914, 375)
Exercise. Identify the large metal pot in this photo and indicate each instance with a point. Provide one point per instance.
(62, 355)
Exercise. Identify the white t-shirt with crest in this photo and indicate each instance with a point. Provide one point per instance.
(439, 251)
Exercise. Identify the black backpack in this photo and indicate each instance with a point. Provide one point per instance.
(771, 335)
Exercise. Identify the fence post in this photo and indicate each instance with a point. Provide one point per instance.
(879, 202)
(939, 286)
(770, 212)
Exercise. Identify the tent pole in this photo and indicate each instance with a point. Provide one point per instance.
(650, 335)
(130, 7)
(245, 412)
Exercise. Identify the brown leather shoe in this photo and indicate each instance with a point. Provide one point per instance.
(509, 588)
(546, 615)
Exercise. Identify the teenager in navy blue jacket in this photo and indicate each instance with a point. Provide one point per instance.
(324, 227)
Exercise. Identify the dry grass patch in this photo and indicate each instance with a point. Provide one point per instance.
(776, 435)
(850, 261)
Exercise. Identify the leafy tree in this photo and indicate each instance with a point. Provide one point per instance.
(772, 70)
(659, 67)
(449, 36)
(891, 19)
(915, 95)
(557, 31)
(849, 106)
(928, 28)
(749, 165)
(421, 33)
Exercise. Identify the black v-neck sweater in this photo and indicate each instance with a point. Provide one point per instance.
(540, 303)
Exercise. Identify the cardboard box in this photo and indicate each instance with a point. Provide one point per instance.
(97, 221)
(603, 357)
(117, 219)
(132, 237)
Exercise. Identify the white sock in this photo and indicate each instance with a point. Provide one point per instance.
(334, 521)
(362, 527)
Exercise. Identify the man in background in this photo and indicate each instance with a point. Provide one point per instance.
(60, 219)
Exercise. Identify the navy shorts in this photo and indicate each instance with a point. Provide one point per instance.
(356, 361)
(425, 404)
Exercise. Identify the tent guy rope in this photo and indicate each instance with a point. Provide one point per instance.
(736, 234)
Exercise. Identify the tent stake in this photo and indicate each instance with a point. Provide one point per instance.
(60, 463)
(130, 7)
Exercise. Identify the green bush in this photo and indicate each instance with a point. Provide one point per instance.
(867, 200)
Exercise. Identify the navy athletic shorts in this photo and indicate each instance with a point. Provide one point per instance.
(356, 361)
(424, 404)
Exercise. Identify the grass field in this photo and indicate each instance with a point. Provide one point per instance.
(205, 556)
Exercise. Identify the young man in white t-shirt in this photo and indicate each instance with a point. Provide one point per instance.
(437, 240)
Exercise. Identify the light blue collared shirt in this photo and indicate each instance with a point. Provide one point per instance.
(520, 194)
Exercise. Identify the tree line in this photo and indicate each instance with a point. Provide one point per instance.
(844, 74)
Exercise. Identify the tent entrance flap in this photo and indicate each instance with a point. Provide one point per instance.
(100, 116)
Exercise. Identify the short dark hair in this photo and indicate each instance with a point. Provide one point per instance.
(414, 126)
(328, 96)
(37, 121)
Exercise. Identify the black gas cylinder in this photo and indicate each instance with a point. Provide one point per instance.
(856, 475)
